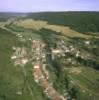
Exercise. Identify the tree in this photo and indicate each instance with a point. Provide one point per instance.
(66, 82)
(73, 93)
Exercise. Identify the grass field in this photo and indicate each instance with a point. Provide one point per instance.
(31, 24)
(11, 77)
(13, 84)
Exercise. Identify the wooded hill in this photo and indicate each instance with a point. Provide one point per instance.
(79, 21)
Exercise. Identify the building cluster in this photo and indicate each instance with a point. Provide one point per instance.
(63, 49)
(40, 72)
(19, 56)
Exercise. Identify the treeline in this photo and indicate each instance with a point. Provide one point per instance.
(79, 21)
(4, 16)
(88, 62)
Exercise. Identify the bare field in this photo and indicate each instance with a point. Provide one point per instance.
(65, 31)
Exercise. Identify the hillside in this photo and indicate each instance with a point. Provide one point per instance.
(79, 21)
(4, 16)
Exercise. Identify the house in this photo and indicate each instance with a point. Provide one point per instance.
(24, 61)
(13, 57)
(36, 66)
(78, 54)
(55, 51)
(87, 42)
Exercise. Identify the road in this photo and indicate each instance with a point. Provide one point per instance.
(39, 75)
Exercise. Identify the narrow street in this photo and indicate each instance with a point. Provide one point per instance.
(39, 74)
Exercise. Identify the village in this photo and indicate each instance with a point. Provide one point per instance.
(62, 49)
(49, 56)
(39, 63)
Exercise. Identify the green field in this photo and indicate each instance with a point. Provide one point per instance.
(12, 79)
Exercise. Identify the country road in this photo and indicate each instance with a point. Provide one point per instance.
(39, 75)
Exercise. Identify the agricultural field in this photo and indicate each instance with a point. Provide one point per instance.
(38, 24)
